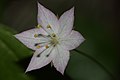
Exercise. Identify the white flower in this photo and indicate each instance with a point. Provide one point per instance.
(51, 40)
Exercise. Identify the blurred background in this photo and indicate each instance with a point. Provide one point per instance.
(97, 20)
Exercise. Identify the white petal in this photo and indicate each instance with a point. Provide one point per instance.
(39, 62)
(28, 39)
(66, 22)
(61, 59)
(46, 17)
(72, 41)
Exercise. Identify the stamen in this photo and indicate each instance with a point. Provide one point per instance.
(53, 35)
(47, 55)
(48, 26)
(40, 35)
(48, 36)
(46, 46)
(38, 55)
(38, 26)
(38, 46)
(36, 35)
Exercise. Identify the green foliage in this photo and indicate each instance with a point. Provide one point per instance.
(94, 64)
(98, 59)
(11, 51)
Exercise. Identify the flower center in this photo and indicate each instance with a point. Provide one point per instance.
(54, 39)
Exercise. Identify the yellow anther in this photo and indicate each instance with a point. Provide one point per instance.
(38, 46)
(53, 35)
(46, 46)
(38, 26)
(36, 35)
(48, 26)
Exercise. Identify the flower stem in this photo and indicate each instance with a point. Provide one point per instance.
(97, 62)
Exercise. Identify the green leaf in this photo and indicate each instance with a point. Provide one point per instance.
(11, 51)
(99, 49)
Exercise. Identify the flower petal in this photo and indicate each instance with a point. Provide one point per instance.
(46, 17)
(66, 22)
(61, 59)
(41, 60)
(72, 41)
(28, 39)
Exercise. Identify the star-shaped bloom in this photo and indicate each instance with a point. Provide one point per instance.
(52, 39)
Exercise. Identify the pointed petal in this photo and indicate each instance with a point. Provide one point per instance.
(46, 17)
(72, 41)
(30, 33)
(61, 59)
(39, 62)
(66, 22)
(28, 39)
